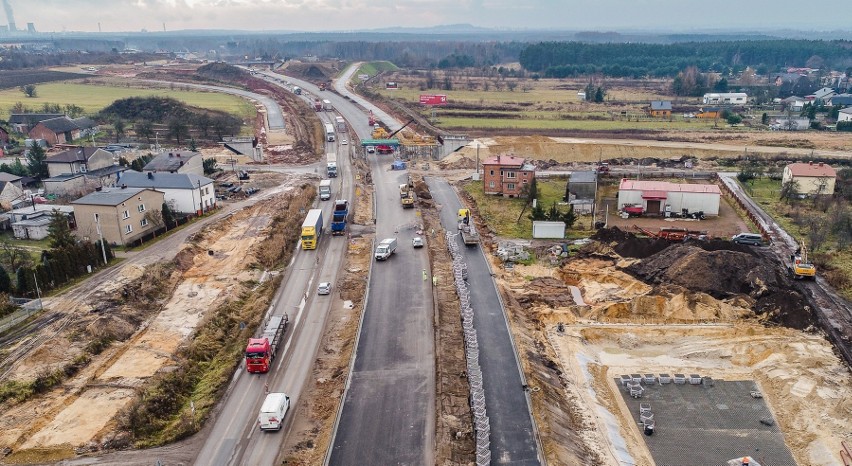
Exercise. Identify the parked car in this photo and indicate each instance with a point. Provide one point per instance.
(748, 238)
(324, 288)
(344, 141)
(417, 242)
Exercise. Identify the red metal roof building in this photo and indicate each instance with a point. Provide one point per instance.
(506, 175)
(656, 197)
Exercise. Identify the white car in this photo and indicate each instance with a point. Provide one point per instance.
(344, 141)
(371, 150)
(417, 242)
(324, 288)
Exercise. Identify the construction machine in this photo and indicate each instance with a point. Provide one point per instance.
(800, 266)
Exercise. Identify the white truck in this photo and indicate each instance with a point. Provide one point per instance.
(329, 132)
(385, 249)
(325, 190)
(340, 123)
(272, 412)
(326, 105)
(331, 164)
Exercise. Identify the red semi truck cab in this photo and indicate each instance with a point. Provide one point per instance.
(258, 355)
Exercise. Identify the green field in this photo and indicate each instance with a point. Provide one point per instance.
(501, 214)
(94, 97)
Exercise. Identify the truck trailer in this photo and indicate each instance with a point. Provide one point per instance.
(338, 217)
(261, 351)
(312, 229)
(326, 105)
(331, 164)
(325, 190)
(340, 123)
(329, 132)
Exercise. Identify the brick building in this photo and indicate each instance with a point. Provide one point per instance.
(506, 175)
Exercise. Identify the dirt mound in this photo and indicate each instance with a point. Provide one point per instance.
(546, 290)
(627, 244)
(719, 273)
(312, 71)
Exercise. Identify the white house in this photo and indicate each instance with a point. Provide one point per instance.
(725, 98)
(811, 178)
(845, 114)
(184, 192)
(657, 197)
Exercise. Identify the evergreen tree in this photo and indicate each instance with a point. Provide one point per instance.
(59, 233)
(168, 215)
(5, 281)
(35, 161)
(599, 95)
(192, 145)
(24, 278)
(537, 213)
(569, 217)
(553, 213)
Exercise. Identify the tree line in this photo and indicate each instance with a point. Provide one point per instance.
(636, 60)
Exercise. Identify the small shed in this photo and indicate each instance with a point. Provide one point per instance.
(554, 230)
(35, 227)
(660, 108)
(657, 197)
(581, 185)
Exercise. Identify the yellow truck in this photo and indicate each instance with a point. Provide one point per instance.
(408, 200)
(800, 266)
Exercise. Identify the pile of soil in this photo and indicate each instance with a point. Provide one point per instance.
(627, 244)
(546, 290)
(723, 272)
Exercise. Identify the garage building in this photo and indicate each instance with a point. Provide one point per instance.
(656, 196)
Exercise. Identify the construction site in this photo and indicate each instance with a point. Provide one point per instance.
(649, 351)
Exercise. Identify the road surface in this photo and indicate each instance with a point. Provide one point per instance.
(513, 439)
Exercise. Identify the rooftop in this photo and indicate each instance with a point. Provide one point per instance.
(80, 154)
(642, 185)
(170, 161)
(661, 105)
(163, 180)
(505, 161)
(812, 169)
(109, 196)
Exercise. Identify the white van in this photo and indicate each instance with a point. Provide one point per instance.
(272, 412)
(385, 249)
(325, 190)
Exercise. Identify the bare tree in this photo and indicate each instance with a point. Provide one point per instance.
(789, 189)
(14, 257)
(155, 218)
(817, 231)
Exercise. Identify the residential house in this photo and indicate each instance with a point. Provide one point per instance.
(184, 192)
(32, 222)
(793, 103)
(580, 190)
(10, 178)
(24, 122)
(788, 79)
(811, 178)
(61, 130)
(81, 170)
(791, 124)
(176, 162)
(659, 197)
(660, 108)
(825, 94)
(845, 114)
(840, 99)
(119, 213)
(506, 175)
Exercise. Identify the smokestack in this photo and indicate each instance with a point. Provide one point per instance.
(9, 15)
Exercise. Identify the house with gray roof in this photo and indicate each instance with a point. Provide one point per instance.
(660, 108)
(176, 162)
(80, 170)
(840, 99)
(184, 192)
(61, 130)
(24, 122)
(122, 215)
(845, 114)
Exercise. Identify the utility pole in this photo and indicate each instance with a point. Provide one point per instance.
(101, 236)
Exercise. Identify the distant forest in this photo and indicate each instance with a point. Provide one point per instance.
(568, 59)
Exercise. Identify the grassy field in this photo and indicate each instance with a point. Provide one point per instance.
(92, 98)
(373, 68)
(502, 214)
(766, 192)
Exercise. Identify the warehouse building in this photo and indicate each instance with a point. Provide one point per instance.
(658, 197)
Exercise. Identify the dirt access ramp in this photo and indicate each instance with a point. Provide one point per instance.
(687, 308)
(82, 409)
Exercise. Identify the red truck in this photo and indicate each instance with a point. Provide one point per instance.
(317, 105)
(372, 119)
(261, 351)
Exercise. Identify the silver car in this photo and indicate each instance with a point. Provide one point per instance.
(417, 242)
(324, 288)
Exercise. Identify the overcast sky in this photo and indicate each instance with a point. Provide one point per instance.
(342, 15)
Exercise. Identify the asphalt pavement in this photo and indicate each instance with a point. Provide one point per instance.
(513, 439)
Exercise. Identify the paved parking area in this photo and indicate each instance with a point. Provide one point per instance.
(709, 425)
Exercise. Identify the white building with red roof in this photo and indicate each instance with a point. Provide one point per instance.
(811, 177)
(658, 197)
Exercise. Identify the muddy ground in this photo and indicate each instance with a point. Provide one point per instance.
(713, 308)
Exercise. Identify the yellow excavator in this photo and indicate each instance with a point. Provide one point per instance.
(800, 266)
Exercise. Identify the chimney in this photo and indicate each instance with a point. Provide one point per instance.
(810, 162)
(171, 155)
(177, 154)
(820, 164)
(124, 186)
(150, 176)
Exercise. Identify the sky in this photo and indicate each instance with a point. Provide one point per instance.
(347, 15)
